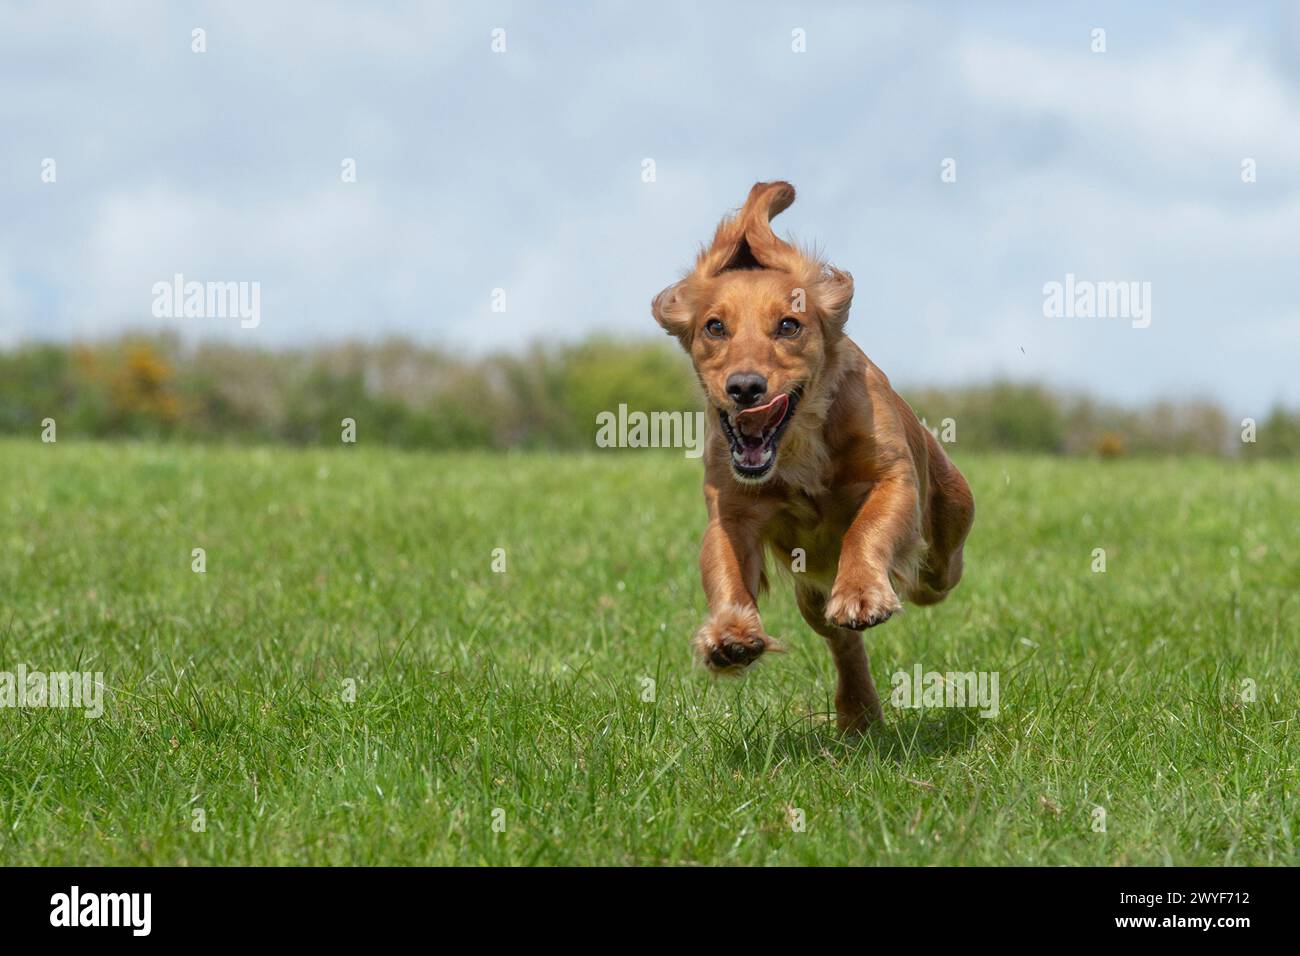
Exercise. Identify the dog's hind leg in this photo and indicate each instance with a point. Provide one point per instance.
(950, 513)
(857, 705)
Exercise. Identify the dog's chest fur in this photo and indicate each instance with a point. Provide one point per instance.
(806, 532)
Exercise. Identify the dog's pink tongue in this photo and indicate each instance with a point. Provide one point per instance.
(753, 422)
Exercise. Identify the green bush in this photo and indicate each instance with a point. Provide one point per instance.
(543, 398)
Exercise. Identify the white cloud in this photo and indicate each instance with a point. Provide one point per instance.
(1210, 94)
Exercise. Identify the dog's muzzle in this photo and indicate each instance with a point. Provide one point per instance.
(755, 433)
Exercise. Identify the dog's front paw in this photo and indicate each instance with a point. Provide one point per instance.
(732, 639)
(858, 606)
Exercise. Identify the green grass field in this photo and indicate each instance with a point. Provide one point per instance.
(517, 697)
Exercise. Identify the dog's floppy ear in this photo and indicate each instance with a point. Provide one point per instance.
(672, 310)
(834, 295)
(767, 201)
(746, 240)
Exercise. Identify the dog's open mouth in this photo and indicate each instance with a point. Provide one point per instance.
(755, 433)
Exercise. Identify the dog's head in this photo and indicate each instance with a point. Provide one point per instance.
(762, 321)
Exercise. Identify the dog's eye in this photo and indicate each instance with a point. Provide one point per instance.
(788, 328)
(714, 329)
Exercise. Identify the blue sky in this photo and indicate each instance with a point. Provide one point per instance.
(523, 171)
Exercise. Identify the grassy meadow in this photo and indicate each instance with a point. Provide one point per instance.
(351, 682)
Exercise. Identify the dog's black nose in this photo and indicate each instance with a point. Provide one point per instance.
(746, 388)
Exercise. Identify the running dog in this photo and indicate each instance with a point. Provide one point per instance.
(810, 454)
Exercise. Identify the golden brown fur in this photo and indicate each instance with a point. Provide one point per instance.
(853, 480)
